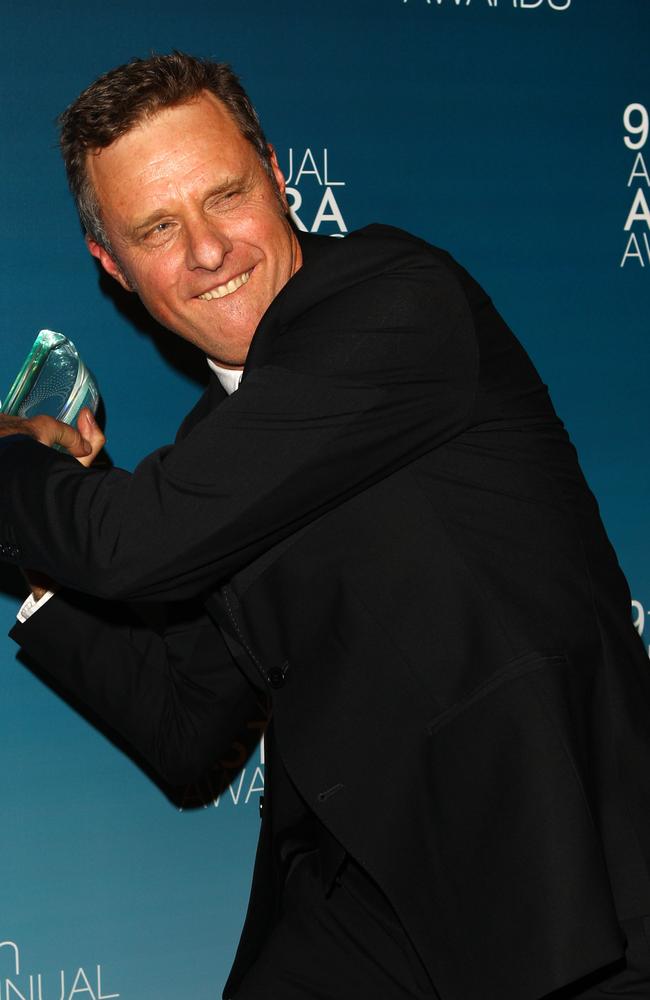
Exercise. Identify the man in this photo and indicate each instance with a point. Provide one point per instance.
(390, 537)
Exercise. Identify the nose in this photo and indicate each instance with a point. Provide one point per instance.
(207, 245)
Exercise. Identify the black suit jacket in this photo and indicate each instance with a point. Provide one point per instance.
(390, 533)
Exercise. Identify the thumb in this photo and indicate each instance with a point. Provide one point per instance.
(92, 434)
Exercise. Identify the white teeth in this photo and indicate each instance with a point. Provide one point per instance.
(230, 286)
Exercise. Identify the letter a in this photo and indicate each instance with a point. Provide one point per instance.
(633, 254)
(334, 215)
(639, 170)
(640, 212)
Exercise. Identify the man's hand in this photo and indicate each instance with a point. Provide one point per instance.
(84, 444)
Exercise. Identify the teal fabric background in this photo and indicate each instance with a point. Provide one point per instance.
(493, 128)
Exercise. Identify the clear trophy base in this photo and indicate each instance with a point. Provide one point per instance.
(53, 380)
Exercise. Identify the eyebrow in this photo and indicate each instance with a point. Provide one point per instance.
(141, 227)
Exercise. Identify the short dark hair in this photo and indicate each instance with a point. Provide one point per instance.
(123, 97)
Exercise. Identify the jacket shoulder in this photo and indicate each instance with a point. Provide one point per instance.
(373, 246)
(363, 278)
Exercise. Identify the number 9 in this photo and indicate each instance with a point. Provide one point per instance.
(639, 620)
(640, 130)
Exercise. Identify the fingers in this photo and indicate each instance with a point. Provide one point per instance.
(92, 434)
(52, 432)
(14, 425)
(83, 443)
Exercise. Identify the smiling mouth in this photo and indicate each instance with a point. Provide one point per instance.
(227, 289)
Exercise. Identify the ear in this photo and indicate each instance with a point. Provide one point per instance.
(108, 262)
(277, 173)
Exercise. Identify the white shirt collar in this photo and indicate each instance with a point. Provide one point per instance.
(229, 377)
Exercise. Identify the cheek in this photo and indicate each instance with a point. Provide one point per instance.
(158, 284)
(268, 232)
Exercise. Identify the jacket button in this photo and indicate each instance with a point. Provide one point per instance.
(276, 675)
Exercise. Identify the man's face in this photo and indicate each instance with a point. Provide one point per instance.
(197, 227)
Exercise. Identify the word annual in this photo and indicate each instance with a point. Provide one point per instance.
(79, 985)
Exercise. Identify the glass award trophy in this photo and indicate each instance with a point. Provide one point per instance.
(53, 380)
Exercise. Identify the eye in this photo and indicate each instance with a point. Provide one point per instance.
(224, 200)
(158, 233)
(160, 227)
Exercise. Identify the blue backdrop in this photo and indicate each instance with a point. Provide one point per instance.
(511, 132)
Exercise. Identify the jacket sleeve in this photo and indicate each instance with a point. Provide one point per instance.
(370, 376)
(173, 692)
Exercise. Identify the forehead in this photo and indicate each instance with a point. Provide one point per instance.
(188, 140)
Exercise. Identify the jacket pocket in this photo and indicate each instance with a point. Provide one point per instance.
(521, 666)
